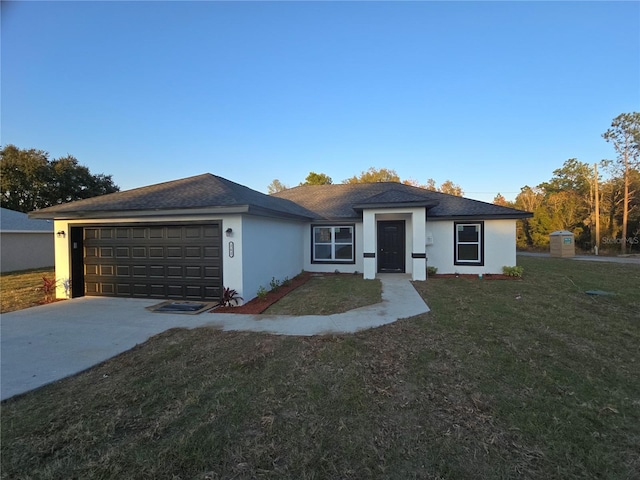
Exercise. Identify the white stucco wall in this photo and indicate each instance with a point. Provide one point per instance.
(271, 248)
(62, 256)
(499, 247)
(24, 250)
(414, 238)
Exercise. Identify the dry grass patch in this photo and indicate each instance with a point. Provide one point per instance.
(22, 289)
(329, 294)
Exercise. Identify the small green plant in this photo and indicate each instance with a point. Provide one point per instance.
(515, 271)
(229, 298)
(286, 282)
(274, 284)
(432, 270)
(262, 292)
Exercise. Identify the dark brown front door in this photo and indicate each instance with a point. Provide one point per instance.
(391, 250)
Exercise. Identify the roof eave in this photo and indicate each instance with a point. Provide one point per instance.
(371, 206)
(119, 214)
(267, 212)
(504, 216)
(76, 215)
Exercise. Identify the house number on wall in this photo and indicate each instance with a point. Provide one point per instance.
(230, 249)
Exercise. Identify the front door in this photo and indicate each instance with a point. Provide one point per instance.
(391, 250)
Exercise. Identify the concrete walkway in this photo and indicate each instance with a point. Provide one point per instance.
(43, 344)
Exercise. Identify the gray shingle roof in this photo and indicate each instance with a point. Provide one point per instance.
(336, 202)
(12, 221)
(201, 191)
(306, 202)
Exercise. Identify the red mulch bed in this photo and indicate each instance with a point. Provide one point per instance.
(485, 276)
(259, 305)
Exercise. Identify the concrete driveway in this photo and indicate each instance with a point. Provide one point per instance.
(43, 344)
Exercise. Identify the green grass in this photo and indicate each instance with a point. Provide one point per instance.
(505, 379)
(328, 294)
(21, 289)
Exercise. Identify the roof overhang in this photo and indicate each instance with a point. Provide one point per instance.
(375, 206)
(210, 211)
(476, 218)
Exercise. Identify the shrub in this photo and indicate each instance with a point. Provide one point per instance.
(432, 270)
(230, 297)
(515, 271)
(48, 288)
(274, 284)
(262, 292)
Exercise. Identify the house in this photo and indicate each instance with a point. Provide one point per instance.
(24, 243)
(189, 238)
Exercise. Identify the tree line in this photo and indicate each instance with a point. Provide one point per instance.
(372, 175)
(29, 180)
(599, 203)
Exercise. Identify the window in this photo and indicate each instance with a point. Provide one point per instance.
(469, 240)
(332, 244)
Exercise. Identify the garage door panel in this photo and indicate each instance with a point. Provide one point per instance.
(138, 252)
(174, 271)
(91, 233)
(107, 270)
(107, 288)
(123, 271)
(211, 272)
(156, 232)
(170, 261)
(156, 271)
(106, 233)
(91, 269)
(157, 290)
(139, 233)
(193, 271)
(141, 290)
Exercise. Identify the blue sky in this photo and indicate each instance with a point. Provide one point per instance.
(492, 95)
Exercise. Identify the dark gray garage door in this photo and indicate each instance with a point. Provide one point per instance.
(154, 261)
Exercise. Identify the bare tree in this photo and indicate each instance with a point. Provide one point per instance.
(624, 134)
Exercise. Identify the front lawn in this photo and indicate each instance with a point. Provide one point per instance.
(328, 294)
(22, 289)
(523, 378)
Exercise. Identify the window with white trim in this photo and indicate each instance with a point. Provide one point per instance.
(332, 244)
(469, 243)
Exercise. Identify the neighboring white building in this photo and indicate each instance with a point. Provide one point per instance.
(191, 237)
(24, 243)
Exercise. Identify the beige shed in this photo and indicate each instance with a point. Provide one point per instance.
(562, 244)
